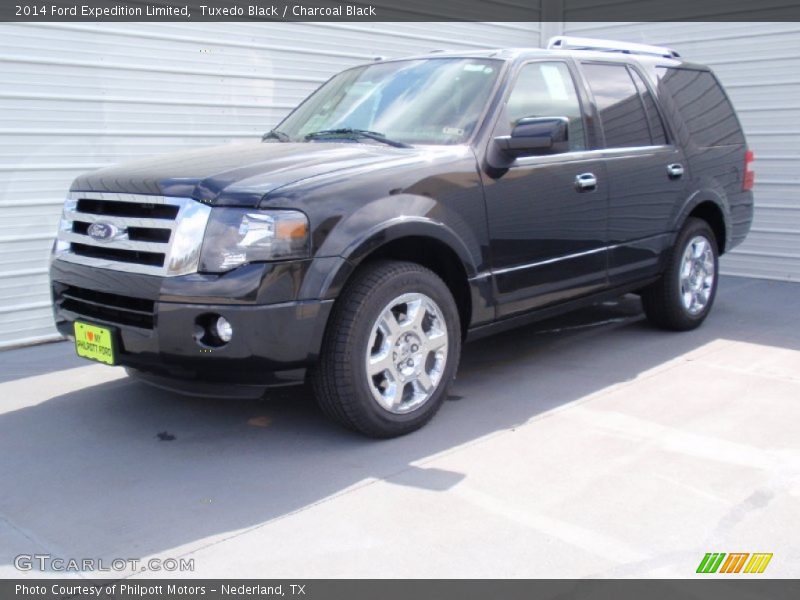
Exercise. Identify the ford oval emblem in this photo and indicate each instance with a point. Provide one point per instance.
(103, 232)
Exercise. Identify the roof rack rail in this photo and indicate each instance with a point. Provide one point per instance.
(566, 42)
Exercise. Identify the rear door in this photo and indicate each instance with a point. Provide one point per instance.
(548, 233)
(645, 171)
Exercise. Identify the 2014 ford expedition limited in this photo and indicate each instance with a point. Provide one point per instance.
(404, 207)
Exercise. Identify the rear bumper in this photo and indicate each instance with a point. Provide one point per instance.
(272, 344)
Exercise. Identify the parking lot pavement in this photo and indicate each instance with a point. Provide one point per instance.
(590, 445)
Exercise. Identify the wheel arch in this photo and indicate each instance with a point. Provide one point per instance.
(439, 258)
(429, 244)
(710, 206)
(711, 213)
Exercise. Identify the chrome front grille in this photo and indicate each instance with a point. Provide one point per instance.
(153, 235)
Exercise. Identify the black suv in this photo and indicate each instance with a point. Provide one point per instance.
(404, 207)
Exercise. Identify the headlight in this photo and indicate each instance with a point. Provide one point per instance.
(237, 236)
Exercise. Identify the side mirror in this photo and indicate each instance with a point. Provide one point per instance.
(536, 135)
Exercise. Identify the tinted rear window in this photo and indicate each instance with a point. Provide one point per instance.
(703, 105)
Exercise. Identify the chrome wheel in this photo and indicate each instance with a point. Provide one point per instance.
(697, 275)
(407, 353)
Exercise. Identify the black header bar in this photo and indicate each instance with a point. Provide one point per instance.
(434, 589)
(399, 10)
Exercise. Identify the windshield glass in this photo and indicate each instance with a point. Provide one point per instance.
(426, 101)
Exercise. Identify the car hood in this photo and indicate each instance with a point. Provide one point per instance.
(237, 174)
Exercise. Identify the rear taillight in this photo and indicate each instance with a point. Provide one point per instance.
(749, 174)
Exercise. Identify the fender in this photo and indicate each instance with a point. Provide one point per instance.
(361, 233)
(708, 191)
(401, 227)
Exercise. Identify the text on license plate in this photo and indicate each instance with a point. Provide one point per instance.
(95, 343)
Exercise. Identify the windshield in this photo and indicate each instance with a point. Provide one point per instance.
(426, 101)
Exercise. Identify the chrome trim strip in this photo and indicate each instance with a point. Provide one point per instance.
(102, 263)
(552, 260)
(483, 275)
(121, 222)
(117, 244)
(560, 258)
(585, 155)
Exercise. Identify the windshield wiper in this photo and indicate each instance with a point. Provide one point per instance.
(277, 135)
(355, 134)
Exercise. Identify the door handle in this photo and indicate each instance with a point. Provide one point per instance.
(585, 182)
(675, 171)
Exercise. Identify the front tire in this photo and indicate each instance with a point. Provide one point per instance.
(390, 352)
(682, 298)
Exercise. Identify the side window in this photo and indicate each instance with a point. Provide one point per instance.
(546, 89)
(703, 105)
(622, 113)
(657, 132)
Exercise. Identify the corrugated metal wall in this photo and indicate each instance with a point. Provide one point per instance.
(759, 64)
(80, 96)
(76, 97)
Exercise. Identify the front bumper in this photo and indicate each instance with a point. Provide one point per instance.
(155, 321)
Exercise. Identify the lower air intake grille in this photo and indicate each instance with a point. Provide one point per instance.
(111, 308)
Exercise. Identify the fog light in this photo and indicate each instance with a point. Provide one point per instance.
(224, 329)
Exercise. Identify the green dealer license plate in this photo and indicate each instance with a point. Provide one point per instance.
(94, 343)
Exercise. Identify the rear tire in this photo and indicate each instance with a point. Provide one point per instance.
(390, 352)
(682, 298)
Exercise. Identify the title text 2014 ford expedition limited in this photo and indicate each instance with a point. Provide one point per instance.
(405, 206)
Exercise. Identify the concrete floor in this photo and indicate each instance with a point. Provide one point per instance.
(588, 446)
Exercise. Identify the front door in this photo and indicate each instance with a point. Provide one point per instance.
(547, 214)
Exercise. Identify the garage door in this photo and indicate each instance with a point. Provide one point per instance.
(759, 64)
(82, 96)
